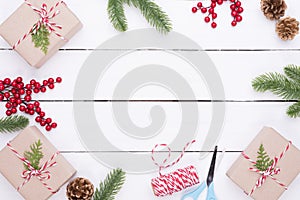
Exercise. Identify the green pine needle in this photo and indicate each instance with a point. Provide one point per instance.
(116, 15)
(13, 123)
(41, 38)
(150, 10)
(285, 85)
(263, 160)
(110, 186)
(34, 155)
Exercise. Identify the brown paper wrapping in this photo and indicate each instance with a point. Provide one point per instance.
(12, 167)
(289, 165)
(23, 19)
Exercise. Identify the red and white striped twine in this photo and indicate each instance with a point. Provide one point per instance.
(41, 174)
(272, 170)
(45, 17)
(177, 180)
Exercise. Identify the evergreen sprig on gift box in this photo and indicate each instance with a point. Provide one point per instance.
(110, 186)
(40, 38)
(150, 10)
(13, 123)
(34, 155)
(285, 85)
(263, 160)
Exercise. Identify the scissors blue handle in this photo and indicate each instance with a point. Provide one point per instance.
(196, 193)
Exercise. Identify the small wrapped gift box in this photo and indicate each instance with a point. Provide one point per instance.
(52, 15)
(34, 184)
(272, 182)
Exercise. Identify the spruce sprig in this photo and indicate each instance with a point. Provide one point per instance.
(155, 16)
(13, 123)
(263, 160)
(40, 38)
(34, 155)
(110, 186)
(285, 85)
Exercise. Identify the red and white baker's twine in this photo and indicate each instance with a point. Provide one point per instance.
(42, 174)
(45, 17)
(272, 170)
(177, 180)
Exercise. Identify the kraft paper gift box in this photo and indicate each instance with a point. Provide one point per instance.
(23, 20)
(274, 145)
(12, 168)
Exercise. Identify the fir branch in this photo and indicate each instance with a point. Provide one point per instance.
(13, 123)
(116, 15)
(263, 160)
(294, 110)
(155, 16)
(110, 186)
(34, 155)
(40, 38)
(293, 72)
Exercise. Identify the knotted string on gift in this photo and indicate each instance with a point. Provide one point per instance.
(270, 172)
(45, 19)
(177, 180)
(41, 174)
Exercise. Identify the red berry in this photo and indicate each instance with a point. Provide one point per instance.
(58, 79)
(30, 106)
(17, 95)
(240, 10)
(232, 6)
(194, 9)
(28, 86)
(8, 105)
(8, 113)
(19, 101)
(14, 84)
(14, 110)
(238, 18)
(38, 110)
(22, 108)
(238, 3)
(19, 79)
(211, 10)
(27, 98)
(28, 92)
(22, 91)
(7, 95)
(203, 10)
(12, 100)
(1, 97)
(42, 123)
(51, 80)
(219, 2)
(36, 90)
(214, 15)
(42, 114)
(233, 13)
(37, 85)
(32, 82)
(36, 104)
(27, 110)
(206, 19)
(232, 1)
(48, 128)
(7, 81)
(31, 112)
(2, 87)
(51, 86)
(14, 105)
(45, 82)
(53, 125)
(199, 5)
(38, 119)
(213, 5)
(48, 120)
(214, 25)
(43, 89)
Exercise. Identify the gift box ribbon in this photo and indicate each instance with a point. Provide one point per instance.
(45, 19)
(41, 174)
(269, 172)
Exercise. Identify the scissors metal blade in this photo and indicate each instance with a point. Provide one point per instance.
(210, 176)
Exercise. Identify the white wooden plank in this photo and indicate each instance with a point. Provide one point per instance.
(87, 167)
(236, 69)
(255, 32)
(242, 122)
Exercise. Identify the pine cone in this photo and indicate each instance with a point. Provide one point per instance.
(80, 189)
(287, 28)
(273, 9)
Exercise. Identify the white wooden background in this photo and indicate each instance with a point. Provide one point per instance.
(239, 53)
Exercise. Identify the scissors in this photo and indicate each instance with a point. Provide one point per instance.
(208, 183)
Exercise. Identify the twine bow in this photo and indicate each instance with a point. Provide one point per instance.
(269, 172)
(45, 19)
(41, 174)
(163, 166)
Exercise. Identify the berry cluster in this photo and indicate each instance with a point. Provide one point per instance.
(235, 6)
(18, 95)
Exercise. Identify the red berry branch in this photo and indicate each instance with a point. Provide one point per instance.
(18, 95)
(235, 6)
